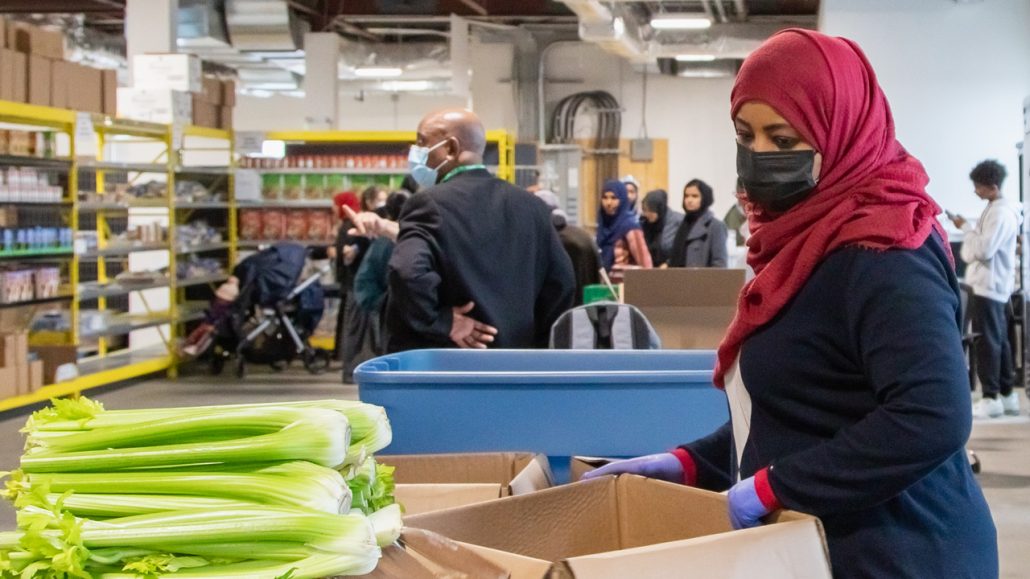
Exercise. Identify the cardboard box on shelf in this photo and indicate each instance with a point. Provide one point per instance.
(16, 75)
(621, 527)
(211, 90)
(6, 74)
(155, 105)
(35, 375)
(53, 357)
(690, 308)
(18, 36)
(229, 93)
(225, 118)
(167, 71)
(60, 83)
(46, 42)
(8, 382)
(205, 114)
(3, 32)
(40, 72)
(109, 86)
(8, 350)
(431, 482)
(87, 93)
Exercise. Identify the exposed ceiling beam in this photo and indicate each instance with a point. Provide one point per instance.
(61, 6)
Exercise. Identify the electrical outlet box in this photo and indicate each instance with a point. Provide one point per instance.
(641, 150)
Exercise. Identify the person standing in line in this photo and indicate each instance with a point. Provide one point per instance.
(586, 258)
(632, 193)
(989, 249)
(660, 224)
(619, 235)
(701, 238)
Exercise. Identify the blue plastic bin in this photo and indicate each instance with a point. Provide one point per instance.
(557, 402)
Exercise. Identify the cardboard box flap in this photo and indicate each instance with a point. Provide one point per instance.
(494, 467)
(425, 555)
(791, 549)
(423, 498)
(551, 524)
(520, 567)
(580, 465)
(652, 511)
(535, 475)
(684, 287)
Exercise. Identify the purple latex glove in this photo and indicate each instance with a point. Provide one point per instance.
(746, 509)
(664, 466)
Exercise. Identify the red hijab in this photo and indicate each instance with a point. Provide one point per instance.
(871, 192)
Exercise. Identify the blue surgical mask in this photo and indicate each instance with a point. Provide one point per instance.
(424, 175)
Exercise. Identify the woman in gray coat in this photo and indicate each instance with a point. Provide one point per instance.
(701, 239)
(660, 224)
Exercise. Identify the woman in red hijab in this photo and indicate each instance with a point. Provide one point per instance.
(847, 385)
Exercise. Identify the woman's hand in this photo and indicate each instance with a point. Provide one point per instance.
(664, 466)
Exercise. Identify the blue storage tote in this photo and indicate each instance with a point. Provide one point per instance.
(617, 403)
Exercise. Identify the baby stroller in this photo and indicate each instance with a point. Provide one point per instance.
(275, 314)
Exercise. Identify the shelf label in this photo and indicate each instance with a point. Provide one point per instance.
(247, 185)
(249, 142)
(85, 136)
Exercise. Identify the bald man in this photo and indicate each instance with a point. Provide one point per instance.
(477, 263)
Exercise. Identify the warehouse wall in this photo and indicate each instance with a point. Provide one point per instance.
(955, 75)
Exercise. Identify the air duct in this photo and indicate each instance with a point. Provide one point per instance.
(264, 25)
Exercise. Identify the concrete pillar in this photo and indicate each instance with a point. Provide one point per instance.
(321, 82)
(150, 26)
(461, 66)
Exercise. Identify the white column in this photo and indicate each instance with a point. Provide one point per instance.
(461, 67)
(150, 26)
(321, 82)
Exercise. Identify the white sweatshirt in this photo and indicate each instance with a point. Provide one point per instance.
(990, 250)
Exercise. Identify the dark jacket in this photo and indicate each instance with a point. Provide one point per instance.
(860, 407)
(370, 282)
(701, 243)
(476, 238)
(586, 258)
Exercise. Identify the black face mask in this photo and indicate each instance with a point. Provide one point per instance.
(778, 180)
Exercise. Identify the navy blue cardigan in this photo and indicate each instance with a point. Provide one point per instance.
(861, 406)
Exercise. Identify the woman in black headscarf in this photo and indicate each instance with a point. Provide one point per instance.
(660, 225)
(701, 238)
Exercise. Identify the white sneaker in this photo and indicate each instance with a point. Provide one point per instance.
(988, 408)
(1010, 404)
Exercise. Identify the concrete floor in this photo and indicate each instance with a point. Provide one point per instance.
(1002, 445)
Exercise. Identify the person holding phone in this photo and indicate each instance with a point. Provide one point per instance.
(989, 250)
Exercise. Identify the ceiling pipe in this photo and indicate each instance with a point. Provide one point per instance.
(722, 11)
(741, 9)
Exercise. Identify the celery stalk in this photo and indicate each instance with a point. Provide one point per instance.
(321, 437)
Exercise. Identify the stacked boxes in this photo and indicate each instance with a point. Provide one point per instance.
(18, 373)
(33, 71)
(169, 88)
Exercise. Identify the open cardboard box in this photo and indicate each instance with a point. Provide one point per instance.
(690, 308)
(431, 482)
(580, 465)
(631, 526)
(426, 555)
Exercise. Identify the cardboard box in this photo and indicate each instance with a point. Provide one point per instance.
(205, 114)
(54, 357)
(7, 74)
(211, 90)
(18, 36)
(690, 308)
(225, 118)
(426, 555)
(229, 93)
(86, 89)
(8, 383)
(8, 350)
(431, 482)
(580, 465)
(60, 83)
(46, 43)
(15, 74)
(35, 375)
(109, 88)
(167, 71)
(631, 527)
(3, 35)
(40, 73)
(157, 106)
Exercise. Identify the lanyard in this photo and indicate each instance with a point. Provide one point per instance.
(459, 170)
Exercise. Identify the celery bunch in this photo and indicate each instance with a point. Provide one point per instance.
(255, 491)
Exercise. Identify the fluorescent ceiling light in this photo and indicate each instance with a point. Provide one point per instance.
(377, 72)
(406, 85)
(680, 22)
(695, 57)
